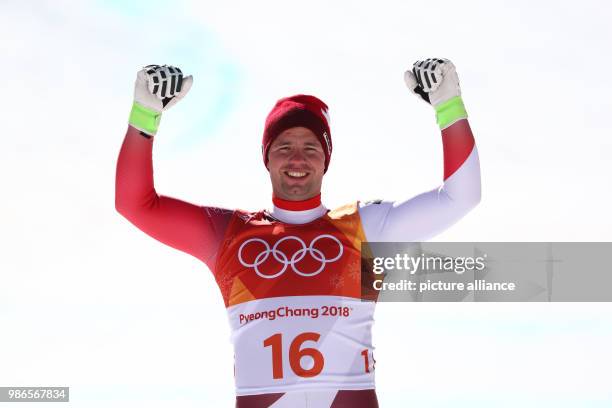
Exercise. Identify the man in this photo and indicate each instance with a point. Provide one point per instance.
(290, 276)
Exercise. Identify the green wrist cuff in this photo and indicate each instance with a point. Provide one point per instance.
(450, 111)
(144, 119)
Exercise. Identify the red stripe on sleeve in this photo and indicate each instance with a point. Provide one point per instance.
(457, 142)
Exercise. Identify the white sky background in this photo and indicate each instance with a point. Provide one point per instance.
(88, 301)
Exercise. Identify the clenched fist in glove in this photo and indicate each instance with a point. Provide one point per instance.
(435, 80)
(157, 88)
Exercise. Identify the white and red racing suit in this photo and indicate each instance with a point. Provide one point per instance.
(290, 278)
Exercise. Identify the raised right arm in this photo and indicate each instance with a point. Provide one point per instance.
(190, 228)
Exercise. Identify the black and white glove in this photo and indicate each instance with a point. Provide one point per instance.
(435, 80)
(157, 89)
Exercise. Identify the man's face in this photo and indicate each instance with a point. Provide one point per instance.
(296, 163)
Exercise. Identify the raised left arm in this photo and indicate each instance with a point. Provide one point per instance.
(426, 215)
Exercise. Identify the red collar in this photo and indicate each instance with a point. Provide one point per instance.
(308, 204)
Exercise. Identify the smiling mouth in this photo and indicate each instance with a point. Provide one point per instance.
(296, 174)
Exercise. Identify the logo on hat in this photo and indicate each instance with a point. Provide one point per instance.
(327, 144)
(325, 113)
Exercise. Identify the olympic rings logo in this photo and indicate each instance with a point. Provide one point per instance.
(282, 258)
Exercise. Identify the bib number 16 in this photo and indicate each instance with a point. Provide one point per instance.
(296, 352)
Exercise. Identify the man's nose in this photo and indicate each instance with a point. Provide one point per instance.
(297, 155)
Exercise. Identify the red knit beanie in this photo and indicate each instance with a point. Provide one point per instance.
(298, 110)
